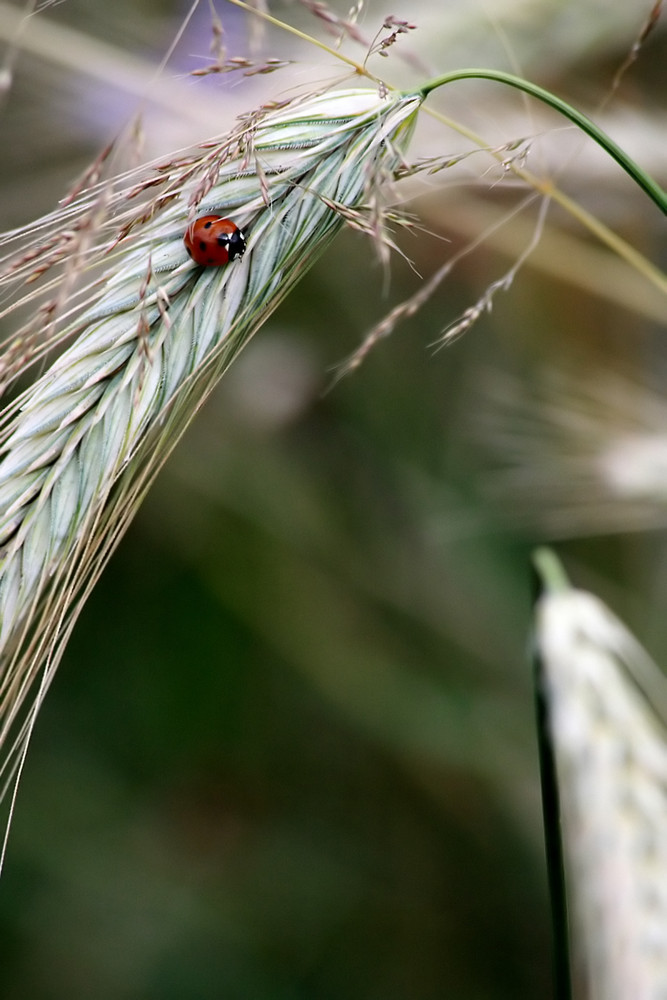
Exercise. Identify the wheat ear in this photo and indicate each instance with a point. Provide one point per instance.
(606, 705)
(81, 446)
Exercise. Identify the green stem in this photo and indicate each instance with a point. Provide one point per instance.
(645, 182)
(552, 576)
(553, 844)
(549, 577)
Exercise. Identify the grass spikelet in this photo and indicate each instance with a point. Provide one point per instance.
(606, 704)
(81, 446)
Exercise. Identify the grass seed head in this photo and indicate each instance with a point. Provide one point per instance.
(80, 447)
(606, 703)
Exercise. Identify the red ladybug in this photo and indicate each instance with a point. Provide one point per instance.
(213, 241)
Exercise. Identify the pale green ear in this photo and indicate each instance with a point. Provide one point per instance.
(603, 737)
(85, 441)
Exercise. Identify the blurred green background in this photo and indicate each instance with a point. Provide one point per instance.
(290, 753)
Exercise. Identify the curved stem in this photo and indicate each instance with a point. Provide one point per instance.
(646, 183)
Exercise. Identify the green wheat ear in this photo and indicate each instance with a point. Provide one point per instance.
(604, 723)
(81, 447)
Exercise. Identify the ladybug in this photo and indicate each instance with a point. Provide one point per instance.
(213, 241)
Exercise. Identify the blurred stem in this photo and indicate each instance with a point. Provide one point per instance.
(588, 265)
(612, 240)
(606, 235)
(645, 182)
(550, 577)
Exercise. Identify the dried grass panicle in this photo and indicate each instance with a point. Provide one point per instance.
(80, 447)
(606, 707)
